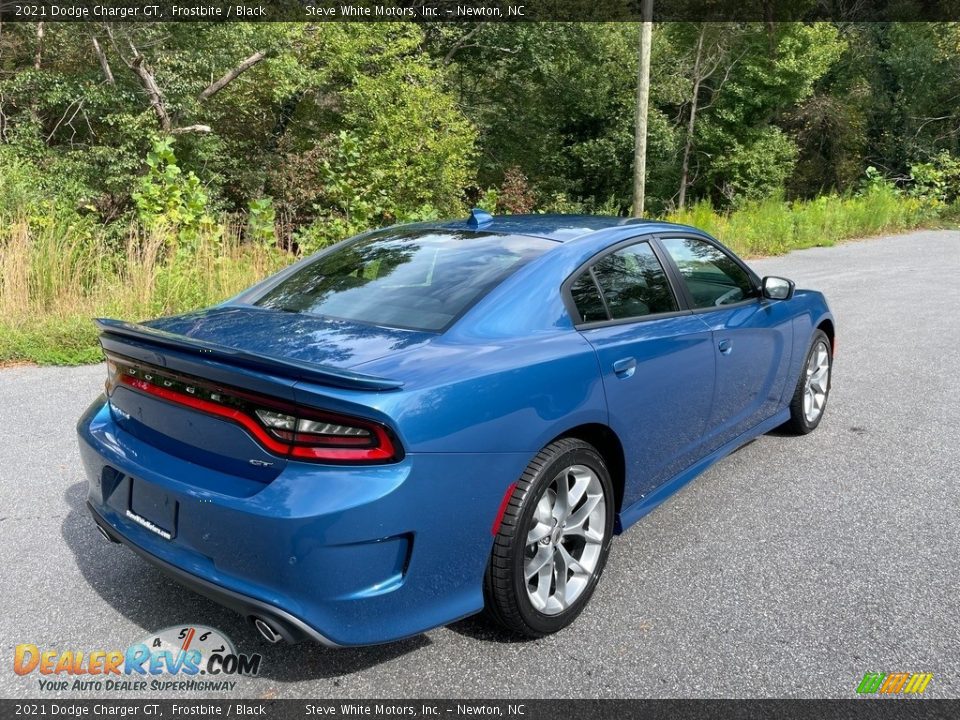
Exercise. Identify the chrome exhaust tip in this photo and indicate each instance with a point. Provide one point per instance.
(267, 631)
(105, 534)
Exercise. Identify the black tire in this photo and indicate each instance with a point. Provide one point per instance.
(798, 422)
(505, 588)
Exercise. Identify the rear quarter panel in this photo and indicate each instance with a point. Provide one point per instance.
(503, 396)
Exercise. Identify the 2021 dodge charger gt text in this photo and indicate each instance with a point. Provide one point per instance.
(433, 419)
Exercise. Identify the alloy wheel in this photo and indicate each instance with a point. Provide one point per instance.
(817, 383)
(565, 539)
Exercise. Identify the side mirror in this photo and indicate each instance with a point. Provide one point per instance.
(778, 288)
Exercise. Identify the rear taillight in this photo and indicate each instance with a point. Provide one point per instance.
(284, 429)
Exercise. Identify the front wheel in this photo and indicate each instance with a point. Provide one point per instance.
(813, 387)
(553, 540)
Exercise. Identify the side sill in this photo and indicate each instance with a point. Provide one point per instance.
(628, 516)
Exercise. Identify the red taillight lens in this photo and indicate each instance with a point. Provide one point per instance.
(285, 429)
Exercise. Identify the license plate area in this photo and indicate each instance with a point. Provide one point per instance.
(153, 509)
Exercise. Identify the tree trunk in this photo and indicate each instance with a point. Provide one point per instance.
(153, 90)
(691, 125)
(448, 58)
(104, 63)
(643, 98)
(39, 54)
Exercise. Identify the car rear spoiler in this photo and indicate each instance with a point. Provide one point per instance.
(114, 334)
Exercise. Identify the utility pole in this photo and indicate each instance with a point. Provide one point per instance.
(640, 118)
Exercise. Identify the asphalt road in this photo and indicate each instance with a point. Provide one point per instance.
(789, 569)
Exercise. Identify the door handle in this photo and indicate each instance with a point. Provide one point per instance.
(625, 367)
(725, 346)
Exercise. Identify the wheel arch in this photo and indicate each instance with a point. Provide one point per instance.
(826, 324)
(608, 444)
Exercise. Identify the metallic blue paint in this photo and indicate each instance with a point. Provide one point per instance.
(293, 336)
(369, 554)
(660, 410)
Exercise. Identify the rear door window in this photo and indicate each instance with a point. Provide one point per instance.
(629, 283)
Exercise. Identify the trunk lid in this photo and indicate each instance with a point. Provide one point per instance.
(292, 336)
(177, 383)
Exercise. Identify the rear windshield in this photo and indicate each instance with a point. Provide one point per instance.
(419, 280)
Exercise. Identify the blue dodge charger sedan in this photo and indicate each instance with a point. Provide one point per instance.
(435, 419)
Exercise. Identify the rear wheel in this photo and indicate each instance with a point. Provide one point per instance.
(553, 540)
(813, 387)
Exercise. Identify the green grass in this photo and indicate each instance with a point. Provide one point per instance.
(68, 340)
(773, 227)
(55, 277)
(56, 274)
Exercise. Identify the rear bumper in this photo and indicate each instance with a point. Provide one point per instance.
(343, 556)
(292, 629)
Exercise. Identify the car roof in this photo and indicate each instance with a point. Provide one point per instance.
(560, 228)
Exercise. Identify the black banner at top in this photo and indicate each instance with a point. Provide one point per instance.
(475, 10)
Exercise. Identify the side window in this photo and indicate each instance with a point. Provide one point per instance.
(586, 296)
(633, 284)
(711, 275)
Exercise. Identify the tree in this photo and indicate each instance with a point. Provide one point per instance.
(711, 54)
(429, 117)
(768, 71)
(643, 96)
(244, 101)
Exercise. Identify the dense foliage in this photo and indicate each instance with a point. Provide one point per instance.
(346, 125)
(150, 168)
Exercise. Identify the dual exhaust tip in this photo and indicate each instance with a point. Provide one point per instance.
(267, 631)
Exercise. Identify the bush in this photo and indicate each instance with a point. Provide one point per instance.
(516, 197)
(262, 220)
(167, 197)
(937, 181)
(773, 226)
